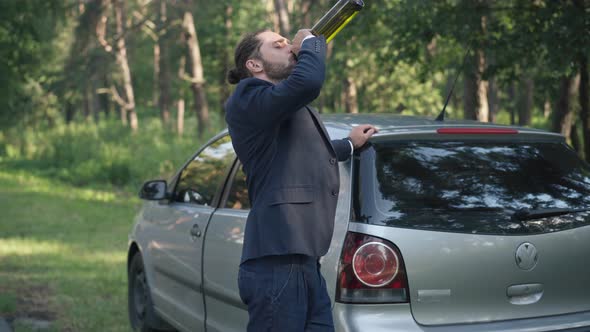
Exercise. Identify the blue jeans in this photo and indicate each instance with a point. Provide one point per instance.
(285, 293)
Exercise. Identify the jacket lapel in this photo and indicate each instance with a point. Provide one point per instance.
(319, 124)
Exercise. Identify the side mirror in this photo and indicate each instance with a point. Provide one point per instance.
(154, 190)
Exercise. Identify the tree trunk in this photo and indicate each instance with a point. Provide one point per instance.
(128, 97)
(512, 103)
(493, 99)
(270, 9)
(164, 77)
(283, 16)
(547, 108)
(70, 112)
(575, 138)
(180, 117)
(584, 105)
(95, 98)
(87, 99)
(226, 59)
(350, 96)
(483, 111)
(476, 88)
(155, 86)
(470, 96)
(196, 70)
(475, 94)
(526, 104)
(306, 6)
(563, 115)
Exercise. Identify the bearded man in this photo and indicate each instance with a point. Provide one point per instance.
(292, 175)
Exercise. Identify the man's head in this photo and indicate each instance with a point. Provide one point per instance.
(263, 54)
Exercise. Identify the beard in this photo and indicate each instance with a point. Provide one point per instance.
(276, 71)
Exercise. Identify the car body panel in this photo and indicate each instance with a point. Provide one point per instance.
(435, 260)
(223, 245)
(176, 261)
(458, 278)
(463, 278)
(398, 318)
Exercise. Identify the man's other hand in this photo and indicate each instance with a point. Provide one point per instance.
(298, 40)
(361, 133)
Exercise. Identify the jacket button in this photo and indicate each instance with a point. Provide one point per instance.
(334, 192)
(332, 161)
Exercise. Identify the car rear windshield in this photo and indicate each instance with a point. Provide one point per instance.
(470, 187)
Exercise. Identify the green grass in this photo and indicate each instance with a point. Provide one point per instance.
(63, 253)
(67, 203)
(7, 303)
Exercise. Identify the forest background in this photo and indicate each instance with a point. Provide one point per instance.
(112, 92)
(97, 96)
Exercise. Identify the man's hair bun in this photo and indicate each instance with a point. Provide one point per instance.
(233, 76)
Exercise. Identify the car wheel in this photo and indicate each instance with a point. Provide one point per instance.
(142, 316)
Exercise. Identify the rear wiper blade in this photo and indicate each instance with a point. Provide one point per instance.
(544, 213)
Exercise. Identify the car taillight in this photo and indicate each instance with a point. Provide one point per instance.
(371, 271)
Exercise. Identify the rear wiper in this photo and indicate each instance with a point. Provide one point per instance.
(544, 213)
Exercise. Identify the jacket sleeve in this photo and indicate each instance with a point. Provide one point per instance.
(269, 103)
(342, 148)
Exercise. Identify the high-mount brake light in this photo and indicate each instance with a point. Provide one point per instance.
(477, 131)
(371, 271)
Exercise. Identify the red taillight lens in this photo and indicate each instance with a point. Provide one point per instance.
(375, 264)
(371, 271)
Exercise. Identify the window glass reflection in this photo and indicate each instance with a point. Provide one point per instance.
(238, 196)
(475, 187)
(202, 177)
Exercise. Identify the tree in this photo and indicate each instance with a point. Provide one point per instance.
(127, 103)
(164, 76)
(27, 55)
(283, 17)
(196, 72)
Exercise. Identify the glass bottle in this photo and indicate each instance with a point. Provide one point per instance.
(337, 18)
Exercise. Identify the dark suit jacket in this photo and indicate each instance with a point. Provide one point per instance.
(289, 160)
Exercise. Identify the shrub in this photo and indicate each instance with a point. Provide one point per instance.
(106, 154)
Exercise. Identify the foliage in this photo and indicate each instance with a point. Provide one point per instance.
(105, 154)
(27, 29)
(401, 55)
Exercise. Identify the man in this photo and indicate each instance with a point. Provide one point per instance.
(292, 174)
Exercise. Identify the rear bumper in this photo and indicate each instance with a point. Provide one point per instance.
(398, 318)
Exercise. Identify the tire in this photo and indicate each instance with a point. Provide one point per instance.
(142, 316)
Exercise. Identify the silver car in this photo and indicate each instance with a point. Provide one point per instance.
(440, 226)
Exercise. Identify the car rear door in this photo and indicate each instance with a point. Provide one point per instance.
(449, 205)
(223, 249)
(176, 235)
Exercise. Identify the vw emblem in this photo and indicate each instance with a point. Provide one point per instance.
(527, 256)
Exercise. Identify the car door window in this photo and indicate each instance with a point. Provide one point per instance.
(202, 177)
(238, 195)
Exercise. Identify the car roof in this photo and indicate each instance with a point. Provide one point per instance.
(340, 124)
(391, 123)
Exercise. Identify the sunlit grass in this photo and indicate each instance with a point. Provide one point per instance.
(65, 246)
(28, 247)
(25, 182)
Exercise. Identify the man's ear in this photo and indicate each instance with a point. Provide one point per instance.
(254, 66)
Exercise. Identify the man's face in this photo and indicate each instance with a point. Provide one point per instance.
(277, 60)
